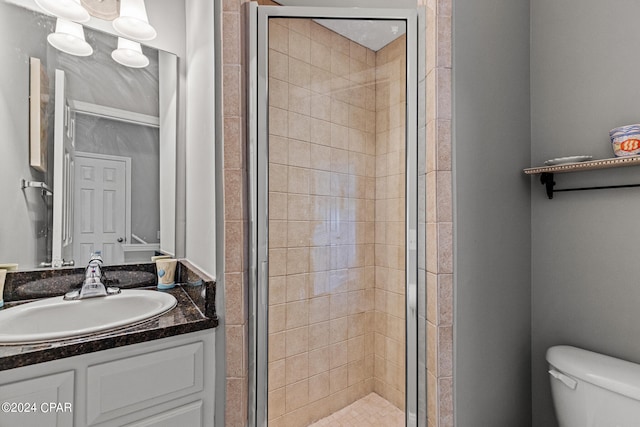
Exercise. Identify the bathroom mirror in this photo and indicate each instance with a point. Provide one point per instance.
(88, 149)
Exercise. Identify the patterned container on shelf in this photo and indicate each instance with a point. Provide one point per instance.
(626, 140)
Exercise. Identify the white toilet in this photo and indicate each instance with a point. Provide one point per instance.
(593, 390)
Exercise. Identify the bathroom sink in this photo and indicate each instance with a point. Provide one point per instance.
(55, 318)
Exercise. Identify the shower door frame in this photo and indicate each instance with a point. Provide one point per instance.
(258, 153)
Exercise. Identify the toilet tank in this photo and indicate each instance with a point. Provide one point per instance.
(593, 390)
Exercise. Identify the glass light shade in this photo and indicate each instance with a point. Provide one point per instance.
(69, 38)
(71, 10)
(129, 54)
(133, 21)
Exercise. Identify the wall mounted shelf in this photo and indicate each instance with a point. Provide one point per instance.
(547, 172)
(46, 190)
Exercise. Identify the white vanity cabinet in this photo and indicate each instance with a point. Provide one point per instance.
(29, 402)
(162, 383)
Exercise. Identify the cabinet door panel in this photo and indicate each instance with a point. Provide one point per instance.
(127, 385)
(42, 401)
(187, 415)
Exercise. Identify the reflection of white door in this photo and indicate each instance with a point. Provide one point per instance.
(101, 208)
(63, 170)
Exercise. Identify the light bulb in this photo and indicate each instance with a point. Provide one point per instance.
(133, 21)
(130, 54)
(69, 38)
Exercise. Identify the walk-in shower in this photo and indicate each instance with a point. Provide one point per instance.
(334, 197)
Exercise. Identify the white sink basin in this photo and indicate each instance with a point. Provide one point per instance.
(54, 318)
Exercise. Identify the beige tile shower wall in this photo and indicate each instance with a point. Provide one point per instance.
(235, 214)
(389, 328)
(438, 165)
(322, 181)
(439, 215)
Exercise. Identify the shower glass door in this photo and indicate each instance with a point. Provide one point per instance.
(334, 191)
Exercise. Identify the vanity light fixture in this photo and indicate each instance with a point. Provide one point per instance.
(71, 10)
(129, 53)
(133, 21)
(69, 38)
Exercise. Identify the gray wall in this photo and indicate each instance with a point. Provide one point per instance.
(98, 79)
(23, 214)
(584, 82)
(492, 213)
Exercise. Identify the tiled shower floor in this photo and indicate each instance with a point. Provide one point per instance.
(370, 411)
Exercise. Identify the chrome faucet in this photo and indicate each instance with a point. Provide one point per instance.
(93, 284)
(94, 268)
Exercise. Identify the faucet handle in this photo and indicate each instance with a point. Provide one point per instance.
(93, 270)
(94, 282)
(97, 257)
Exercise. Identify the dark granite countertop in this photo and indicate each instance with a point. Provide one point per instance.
(195, 310)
